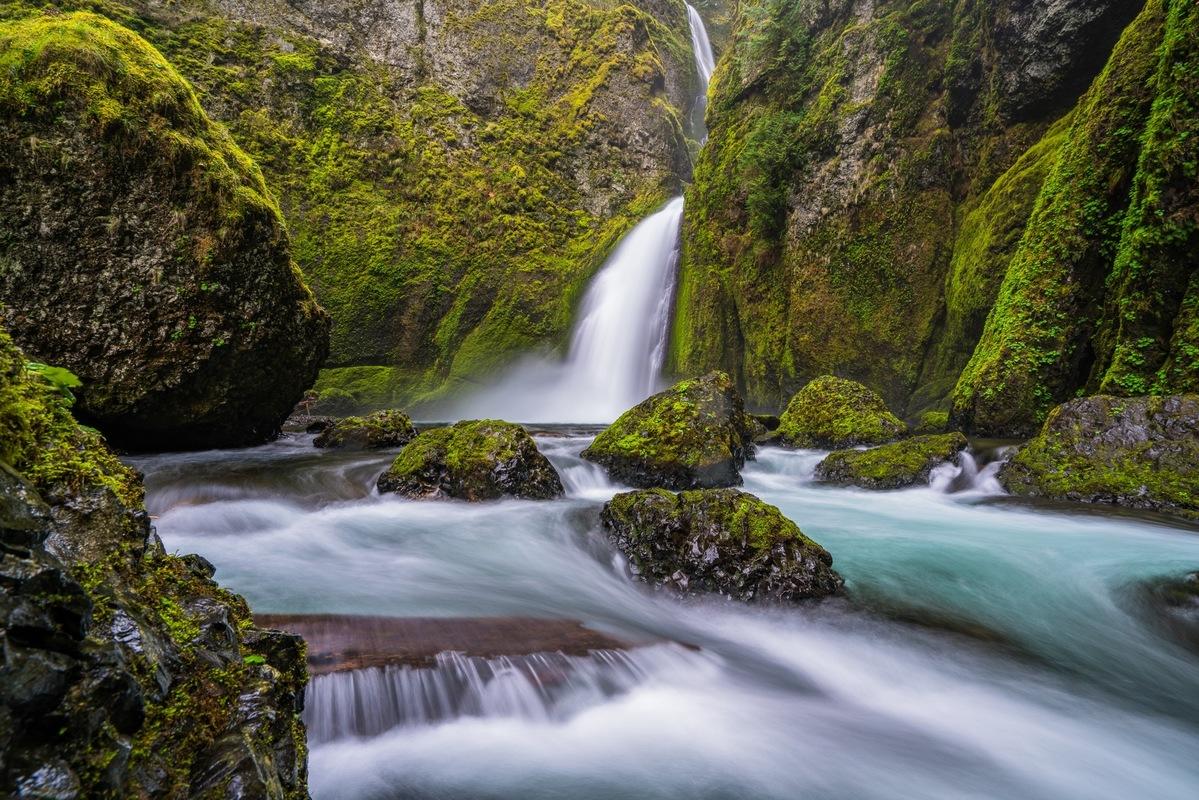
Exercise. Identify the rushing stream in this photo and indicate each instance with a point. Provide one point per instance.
(987, 649)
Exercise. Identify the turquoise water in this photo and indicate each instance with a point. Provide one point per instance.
(986, 649)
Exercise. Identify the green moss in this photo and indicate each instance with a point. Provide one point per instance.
(1040, 345)
(834, 412)
(892, 466)
(378, 430)
(1135, 452)
(933, 422)
(693, 434)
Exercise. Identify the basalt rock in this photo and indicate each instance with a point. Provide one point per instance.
(372, 432)
(695, 434)
(893, 466)
(124, 671)
(721, 541)
(833, 412)
(142, 249)
(1140, 452)
(474, 460)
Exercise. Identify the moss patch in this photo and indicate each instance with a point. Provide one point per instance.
(892, 466)
(835, 412)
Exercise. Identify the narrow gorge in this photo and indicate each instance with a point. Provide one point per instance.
(587, 399)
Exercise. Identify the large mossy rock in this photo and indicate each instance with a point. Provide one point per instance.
(721, 541)
(126, 671)
(892, 466)
(695, 434)
(372, 432)
(1138, 452)
(141, 247)
(473, 460)
(834, 412)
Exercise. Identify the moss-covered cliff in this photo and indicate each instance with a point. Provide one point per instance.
(884, 179)
(124, 671)
(140, 247)
(451, 172)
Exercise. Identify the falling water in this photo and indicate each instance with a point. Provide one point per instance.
(619, 343)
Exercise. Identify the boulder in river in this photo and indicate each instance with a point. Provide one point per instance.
(1137, 452)
(695, 434)
(372, 432)
(909, 462)
(142, 249)
(473, 460)
(723, 541)
(833, 413)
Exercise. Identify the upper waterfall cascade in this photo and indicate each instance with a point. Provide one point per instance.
(618, 345)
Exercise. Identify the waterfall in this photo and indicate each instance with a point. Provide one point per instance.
(618, 345)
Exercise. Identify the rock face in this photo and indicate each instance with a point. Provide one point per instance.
(452, 172)
(156, 266)
(372, 432)
(125, 671)
(721, 541)
(1140, 452)
(976, 204)
(475, 460)
(892, 466)
(695, 434)
(833, 412)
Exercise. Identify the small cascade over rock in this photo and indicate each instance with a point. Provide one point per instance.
(705, 64)
(540, 686)
(619, 342)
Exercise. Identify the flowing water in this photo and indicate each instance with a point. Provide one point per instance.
(618, 344)
(986, 649)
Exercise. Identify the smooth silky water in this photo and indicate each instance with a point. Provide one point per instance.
(986, 649)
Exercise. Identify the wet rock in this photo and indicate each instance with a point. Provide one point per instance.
(156, 267)
(695, 434)
(1138, 452)
(372, 432)
(721, 541)
(473, 460)
(893, 466)
(834, 412)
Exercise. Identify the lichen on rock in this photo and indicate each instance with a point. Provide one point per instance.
(720, 541)
(372, 432)
(143, 250)
(892, 466)
(1137, 452)
(473, 460)
(834, 412)
(695, 434)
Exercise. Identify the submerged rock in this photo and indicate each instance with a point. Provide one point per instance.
(473, 460)
(718, 540)
(834, 412)
(1137, 452)
(892, 466)
(372, 432)
(156, 266)
(695, 434)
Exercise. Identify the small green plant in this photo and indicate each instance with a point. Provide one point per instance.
(58, 379)
(254, 660)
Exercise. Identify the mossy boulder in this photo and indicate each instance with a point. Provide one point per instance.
(695, 434)
(721, 541)
(473, 460)
(126, 671)
(142, 249)
(892, 466)
(932, 422)
(1138, 452)
(372, 432)
(834, 412)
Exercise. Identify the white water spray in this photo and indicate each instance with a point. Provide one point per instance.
(618, 345)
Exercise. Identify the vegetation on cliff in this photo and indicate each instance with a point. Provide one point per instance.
(142, 249)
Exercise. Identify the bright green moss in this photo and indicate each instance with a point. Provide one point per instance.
(933, 422)
(834, 412)
(378, 430)
(892, 466)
